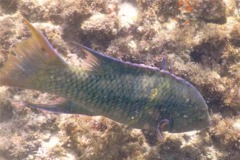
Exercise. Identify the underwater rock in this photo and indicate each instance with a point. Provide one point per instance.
(9, 7)
(210, 11)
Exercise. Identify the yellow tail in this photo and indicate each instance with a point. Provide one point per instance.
(27, 59)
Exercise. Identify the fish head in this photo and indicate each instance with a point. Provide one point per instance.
(197, 120)
(191, 113)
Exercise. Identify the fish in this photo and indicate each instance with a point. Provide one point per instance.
(136, 95)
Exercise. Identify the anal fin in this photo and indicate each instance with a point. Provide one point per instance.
(63, 106)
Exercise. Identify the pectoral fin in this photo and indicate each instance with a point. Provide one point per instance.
(161, 126)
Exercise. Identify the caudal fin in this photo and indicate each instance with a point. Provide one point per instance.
(27, 59)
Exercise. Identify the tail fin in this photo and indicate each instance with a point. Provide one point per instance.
(27, 58)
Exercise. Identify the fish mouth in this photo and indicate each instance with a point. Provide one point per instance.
(190, 126)
(204, 126)
(209, 121)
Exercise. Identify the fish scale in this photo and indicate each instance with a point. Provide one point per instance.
(136, 95)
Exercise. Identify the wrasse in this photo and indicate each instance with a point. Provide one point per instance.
(137, 95)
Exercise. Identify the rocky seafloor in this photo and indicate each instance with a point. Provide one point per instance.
(200, 40)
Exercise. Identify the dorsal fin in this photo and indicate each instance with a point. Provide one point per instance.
(90, 62)
(96, 62)
(93, 60)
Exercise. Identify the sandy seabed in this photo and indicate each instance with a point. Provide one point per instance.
(201, 42)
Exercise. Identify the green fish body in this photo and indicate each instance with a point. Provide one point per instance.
(136, 95)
